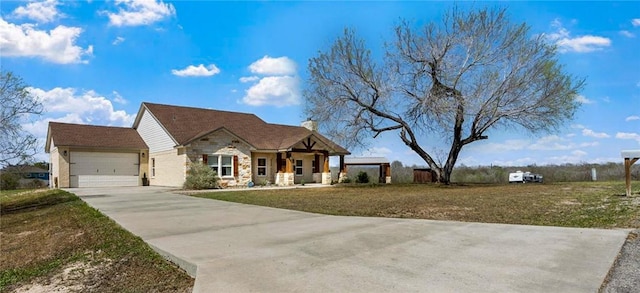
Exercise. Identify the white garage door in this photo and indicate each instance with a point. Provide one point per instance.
(90, 169)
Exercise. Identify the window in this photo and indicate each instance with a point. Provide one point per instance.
(262, 167)
(298, 167)
(223, 165)
(227, 166)
(153, 167)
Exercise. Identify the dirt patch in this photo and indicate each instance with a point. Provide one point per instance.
(74, 277)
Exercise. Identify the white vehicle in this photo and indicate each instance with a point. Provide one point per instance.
(523, 177)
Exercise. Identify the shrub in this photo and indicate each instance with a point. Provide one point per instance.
(362, 177)
(9, 181)
(200, 176)
(35, 183)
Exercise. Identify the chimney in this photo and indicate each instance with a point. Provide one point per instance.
(310, 124)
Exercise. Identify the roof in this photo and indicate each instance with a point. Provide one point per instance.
(90, 136)
(24, 169)
(186, 124)
(365, 160)
(630, 154)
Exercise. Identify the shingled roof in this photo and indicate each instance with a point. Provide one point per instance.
(80, 135)
(186, 124)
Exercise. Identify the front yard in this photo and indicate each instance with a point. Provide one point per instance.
(51, 241)
(576, 204)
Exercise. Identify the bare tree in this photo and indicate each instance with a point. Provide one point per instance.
(451, 81)
(17, 104)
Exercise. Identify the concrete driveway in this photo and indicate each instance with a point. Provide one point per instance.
(233, 247)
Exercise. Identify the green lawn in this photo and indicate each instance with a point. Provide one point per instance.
(46, 231)
(583, 204)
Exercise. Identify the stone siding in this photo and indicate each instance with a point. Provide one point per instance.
(223, 143)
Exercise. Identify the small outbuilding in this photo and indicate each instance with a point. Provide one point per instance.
(630, 157)
(382, 163)
(424, 175)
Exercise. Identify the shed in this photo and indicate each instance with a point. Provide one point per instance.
(382, 162)
(424, 175)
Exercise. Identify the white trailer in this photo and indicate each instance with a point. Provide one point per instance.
(523, 177)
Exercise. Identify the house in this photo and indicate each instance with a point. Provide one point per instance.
(165, 140)
(28, 175)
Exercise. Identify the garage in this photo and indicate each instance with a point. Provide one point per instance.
(103, 169)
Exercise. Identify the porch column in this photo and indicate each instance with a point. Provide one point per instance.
(288, 176)
(387, 173)
(281, 177)
(289, 165)
(343, 169)
(326, 172)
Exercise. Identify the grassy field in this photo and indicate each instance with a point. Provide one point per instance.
(583, 204)
(50, 239)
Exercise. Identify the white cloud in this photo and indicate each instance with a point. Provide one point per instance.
(274, 90)
(377, 152)
(574, 157)
(551, 143)
(57, 45)
(517, 162)
(583, 100)
(42, 12)
(580, 44)
(632, 118)
(627, 34)
(118, 98)
(85, 107)
(246, 79)
(506, 146)
(199, 70)
(140, 12)
(591, 133)
(118, 41)
(273, 66)
(628, 135)
(281, 86)
(635, 22)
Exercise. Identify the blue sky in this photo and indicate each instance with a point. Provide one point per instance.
(96, 61)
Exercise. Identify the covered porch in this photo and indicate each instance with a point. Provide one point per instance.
(307, 162)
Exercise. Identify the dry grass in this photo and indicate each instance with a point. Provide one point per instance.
(586, 204)
(52, 233)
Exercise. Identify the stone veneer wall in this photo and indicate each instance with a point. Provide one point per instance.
(222, 143)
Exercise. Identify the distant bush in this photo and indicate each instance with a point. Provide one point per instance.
(362, 177)
(9, 181)
(35, 183)
(497, 174)
(201, 176)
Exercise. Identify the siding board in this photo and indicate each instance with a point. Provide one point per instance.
(153, 134)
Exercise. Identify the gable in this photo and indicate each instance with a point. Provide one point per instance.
(152, 132)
